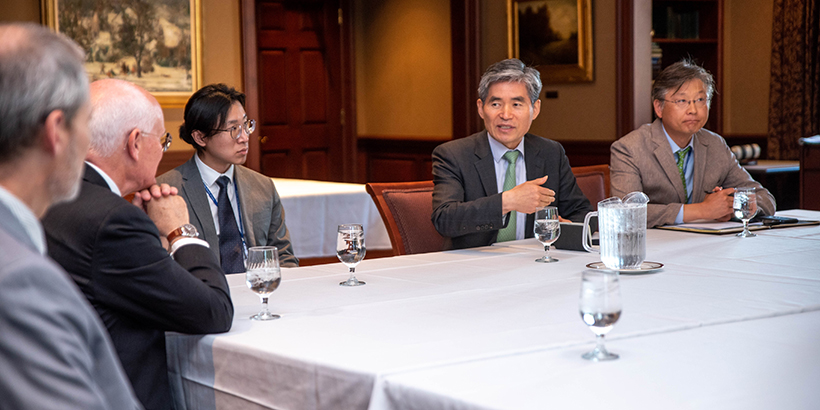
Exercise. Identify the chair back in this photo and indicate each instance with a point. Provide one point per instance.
(406, 208)
(594, 182)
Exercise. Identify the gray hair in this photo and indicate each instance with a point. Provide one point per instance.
(673, 77)
(511, 70)
(117, 108)
(40, 72)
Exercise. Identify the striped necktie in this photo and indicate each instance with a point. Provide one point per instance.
(508, 233)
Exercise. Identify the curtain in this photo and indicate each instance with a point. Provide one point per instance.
(794, 98)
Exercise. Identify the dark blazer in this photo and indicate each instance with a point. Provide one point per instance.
(113, 252)
(262, 214)
(643, 161)
(466, 201)
(54, 352)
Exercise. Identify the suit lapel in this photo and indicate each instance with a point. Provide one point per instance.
(193, 190)
(700, 149)
(484, 164)
(665, 157)
(239, 174)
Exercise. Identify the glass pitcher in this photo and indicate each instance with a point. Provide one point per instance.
(621, 231)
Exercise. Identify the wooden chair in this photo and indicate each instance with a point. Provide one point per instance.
(406, 208)
(594, 182)
(810, 173)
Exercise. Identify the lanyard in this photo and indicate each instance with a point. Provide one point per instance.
(241, 225)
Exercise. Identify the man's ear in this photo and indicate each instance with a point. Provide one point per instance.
(199, 138)
(133, 144)
(658, 104)
(536, 108)
(479, 105)
(55, 133)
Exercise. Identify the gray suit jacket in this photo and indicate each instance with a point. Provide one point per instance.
(466, 201)
(262, 213)
(54, 352)
(643, 161)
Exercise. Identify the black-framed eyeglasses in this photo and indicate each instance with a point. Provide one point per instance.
(684, 104)
(248, 126)
(164, 139)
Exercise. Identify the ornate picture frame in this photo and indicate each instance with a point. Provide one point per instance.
(156, 44)
(553, 35)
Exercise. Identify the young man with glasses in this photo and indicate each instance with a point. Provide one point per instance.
(688, 172)
(233, 207)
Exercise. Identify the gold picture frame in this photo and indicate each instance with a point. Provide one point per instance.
(156, 44)
(554, 36)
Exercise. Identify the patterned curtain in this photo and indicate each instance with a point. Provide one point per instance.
(794, 101)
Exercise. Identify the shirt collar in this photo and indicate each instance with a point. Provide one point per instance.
(498, 149)
(27, 218)
(111, 184)
(210, 175)
(673, 145)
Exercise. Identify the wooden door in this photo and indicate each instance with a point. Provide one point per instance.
(299, 88)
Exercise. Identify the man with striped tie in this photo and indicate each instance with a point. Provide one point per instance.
(488, 185)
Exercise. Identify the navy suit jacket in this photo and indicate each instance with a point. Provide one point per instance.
(466, 201)
(113, 252)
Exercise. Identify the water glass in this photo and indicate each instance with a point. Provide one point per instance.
(263, 277)
(600, 307)
(350, 249)
(745, 208)
(547, 229)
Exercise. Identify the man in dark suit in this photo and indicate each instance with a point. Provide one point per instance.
(216, 125)
(470, 202)
(688, 172)
(118, 253)
(54, 351)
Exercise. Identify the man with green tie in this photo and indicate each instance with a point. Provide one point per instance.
(688, 172)
(488, 185)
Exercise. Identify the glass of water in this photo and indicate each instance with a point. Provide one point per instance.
(350, 249)
(547, 229)
(745, 208)
(600, 307)
(263, 276)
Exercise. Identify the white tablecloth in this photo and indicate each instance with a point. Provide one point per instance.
(313, 210)
(408, 338)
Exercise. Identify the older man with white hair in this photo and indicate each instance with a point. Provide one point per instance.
(118, 253)
(54, 352)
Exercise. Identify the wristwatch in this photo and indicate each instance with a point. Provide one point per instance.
(187, 231)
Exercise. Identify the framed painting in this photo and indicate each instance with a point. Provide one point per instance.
(156, 44)
(553, 35)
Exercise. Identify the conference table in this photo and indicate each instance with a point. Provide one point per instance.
(313, 210)
(727, 322)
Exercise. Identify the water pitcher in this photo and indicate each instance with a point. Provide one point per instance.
(621, 231)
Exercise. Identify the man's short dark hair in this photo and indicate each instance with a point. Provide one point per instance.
(207, 110)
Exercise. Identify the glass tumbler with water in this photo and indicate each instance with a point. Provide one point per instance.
(621, 231)
(600, 307)
(745, 208)
(350, 249)
(547, 229)
(263, 276)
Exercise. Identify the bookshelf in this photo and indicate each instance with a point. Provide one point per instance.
(691, 28)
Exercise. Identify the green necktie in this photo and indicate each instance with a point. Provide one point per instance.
(681, 156)
(508, 233)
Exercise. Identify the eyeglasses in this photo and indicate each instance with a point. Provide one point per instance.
(164, 139)
(247, 127)
(684, 104)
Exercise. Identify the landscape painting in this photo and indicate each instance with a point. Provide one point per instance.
(554, 35)
(152, 43)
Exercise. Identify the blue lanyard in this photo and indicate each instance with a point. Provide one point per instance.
(239, 210)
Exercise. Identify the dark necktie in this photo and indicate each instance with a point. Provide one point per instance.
(230, 242)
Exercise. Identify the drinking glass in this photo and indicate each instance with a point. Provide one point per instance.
(350, 249)
(547, 229)
(600, 307)
(263, 276)
(745, 208)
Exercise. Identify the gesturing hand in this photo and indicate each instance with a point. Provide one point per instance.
(527, 196)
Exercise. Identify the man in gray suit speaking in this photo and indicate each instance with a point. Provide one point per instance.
(488, 185)
(687, 171)
(54, 352)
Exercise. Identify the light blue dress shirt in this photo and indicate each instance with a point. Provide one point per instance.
(688, 168)
(498, 150)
